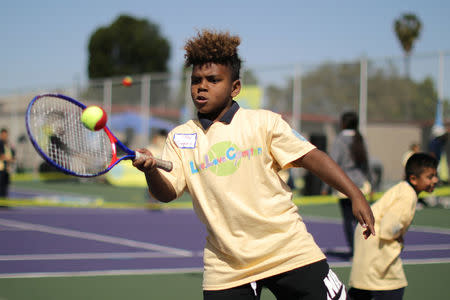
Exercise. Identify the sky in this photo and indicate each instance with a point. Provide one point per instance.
(44, 43)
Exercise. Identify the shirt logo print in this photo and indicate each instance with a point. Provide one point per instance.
(223, 159)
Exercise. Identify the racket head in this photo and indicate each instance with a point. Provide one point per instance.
(54, 126)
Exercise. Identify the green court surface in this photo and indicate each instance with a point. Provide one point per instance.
(426, 281)
(99, 194)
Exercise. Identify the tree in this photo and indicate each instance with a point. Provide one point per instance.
(127, 46)
(407, 28)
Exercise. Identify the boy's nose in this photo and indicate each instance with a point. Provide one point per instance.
(202, 84)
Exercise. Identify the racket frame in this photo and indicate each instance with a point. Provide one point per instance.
(130, 154)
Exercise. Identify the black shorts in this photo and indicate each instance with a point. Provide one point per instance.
(312, 282)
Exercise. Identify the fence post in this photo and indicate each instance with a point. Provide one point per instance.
(363, 97)
(297, 98)
(440, 91)
(145, 108)
(188, 110)
(107, 95)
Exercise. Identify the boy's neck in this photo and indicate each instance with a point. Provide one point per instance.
(217, 116)
(225, 118)
(413, 186)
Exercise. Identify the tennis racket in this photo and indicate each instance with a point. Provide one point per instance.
(55, 129)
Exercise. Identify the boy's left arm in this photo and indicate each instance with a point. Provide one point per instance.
(329, 171)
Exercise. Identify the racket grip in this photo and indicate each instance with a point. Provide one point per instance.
(160, 163)
(164, 164)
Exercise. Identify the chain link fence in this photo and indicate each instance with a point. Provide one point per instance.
(392, 93)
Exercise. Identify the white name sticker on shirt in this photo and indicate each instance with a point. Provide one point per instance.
(185, 140)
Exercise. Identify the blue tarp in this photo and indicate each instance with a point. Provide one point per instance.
(132, 120)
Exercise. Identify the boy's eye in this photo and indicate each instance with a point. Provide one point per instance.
(195, 80)
(213, 79)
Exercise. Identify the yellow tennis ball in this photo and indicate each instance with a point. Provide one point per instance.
(94, 117)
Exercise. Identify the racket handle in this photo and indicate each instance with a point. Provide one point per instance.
(160, 163)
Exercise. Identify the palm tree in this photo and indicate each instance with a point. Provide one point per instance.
(407, 29)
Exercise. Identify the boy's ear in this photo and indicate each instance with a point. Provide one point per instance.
(413, 180)
(236, 88)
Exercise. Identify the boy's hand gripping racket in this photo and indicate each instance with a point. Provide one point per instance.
(55, 129)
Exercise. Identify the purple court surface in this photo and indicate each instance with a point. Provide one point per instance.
(74, 241)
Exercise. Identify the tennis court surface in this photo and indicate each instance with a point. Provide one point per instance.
(49, 241)
(38, 243)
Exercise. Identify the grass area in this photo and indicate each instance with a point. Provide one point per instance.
(85, 187)
(424, 283)
(115, 196)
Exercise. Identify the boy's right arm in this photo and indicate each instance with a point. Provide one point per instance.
(323, 166)
(158, 185)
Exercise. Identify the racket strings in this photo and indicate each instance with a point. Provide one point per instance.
(57, 129)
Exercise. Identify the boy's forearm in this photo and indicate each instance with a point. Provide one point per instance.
(329, 172)
(159, 186)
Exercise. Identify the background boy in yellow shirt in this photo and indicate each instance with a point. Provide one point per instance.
(377, 271)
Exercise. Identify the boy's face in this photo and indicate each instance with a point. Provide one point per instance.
(426, 181)
(212, 89)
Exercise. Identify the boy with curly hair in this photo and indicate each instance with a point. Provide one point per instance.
(228, 158)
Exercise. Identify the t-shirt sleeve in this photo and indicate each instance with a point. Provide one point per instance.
(176, 177)
(286, 144)
(397, 219)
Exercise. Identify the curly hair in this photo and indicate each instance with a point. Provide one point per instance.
(210, 46)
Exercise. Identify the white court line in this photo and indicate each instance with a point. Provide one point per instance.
(429, 229)
(425, 261)
(132, 255)
(415, 228)
(94, 237)
(409, 248)
(426, 247)
(102, 273)
(179, 270)
(84, 256)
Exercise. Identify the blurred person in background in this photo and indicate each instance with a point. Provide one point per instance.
(438, 141)
(436, 147)
(7, 157)
(349, 150)
(413, 148)
(157, 143)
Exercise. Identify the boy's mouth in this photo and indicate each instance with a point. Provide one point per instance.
(201, 100)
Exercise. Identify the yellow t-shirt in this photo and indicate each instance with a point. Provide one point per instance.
(376, 262)
(231, 171)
